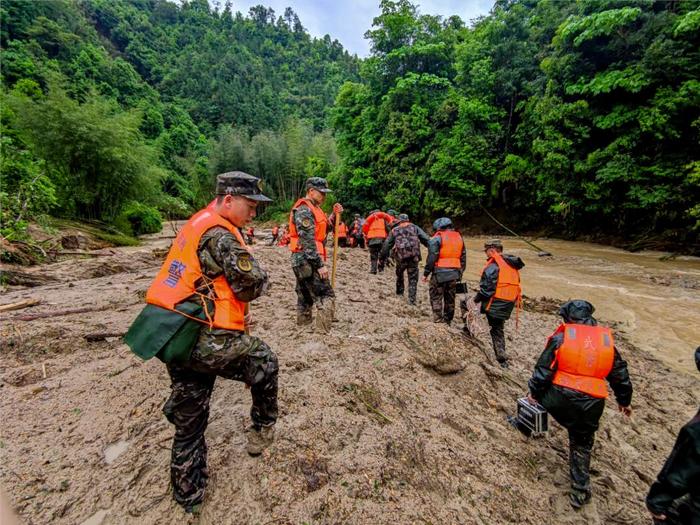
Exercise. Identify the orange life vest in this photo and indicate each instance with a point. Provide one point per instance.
(584, 359)
(451, 246)
(321, 227)
(508, 285)
(181, 273)
(342, 230)
(377, 228)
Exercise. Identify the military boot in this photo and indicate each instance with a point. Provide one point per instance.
(259, 439)
(578, 498)
(304, 316)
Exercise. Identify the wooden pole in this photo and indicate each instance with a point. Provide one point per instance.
(541, 252)
(335, 248)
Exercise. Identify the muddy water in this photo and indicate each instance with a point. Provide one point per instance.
(656, 302)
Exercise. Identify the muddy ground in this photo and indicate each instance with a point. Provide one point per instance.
(389, 419)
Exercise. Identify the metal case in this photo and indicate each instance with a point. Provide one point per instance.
(532, 419)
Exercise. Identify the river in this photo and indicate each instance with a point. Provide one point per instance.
(656, 301)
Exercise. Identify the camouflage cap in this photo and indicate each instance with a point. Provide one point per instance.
(403, 217)
(240, 183)
(318, 184)
(393, 213)
(442, 223)
(493, 243)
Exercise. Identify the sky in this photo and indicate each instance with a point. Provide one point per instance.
(347, 21)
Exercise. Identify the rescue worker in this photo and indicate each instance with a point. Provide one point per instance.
(447, 259)
(356, 231)
(376, 229)
(284, 237)
(196, 323)
(499, 292)
(342, 235)
(403, 243)
(569, 382)
(674, 498)
(394, 218)
(308, 228)
(275, 235)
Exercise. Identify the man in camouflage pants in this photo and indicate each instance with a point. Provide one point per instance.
(227, 353)
(403, 243)
(308, 228)
(446, 269)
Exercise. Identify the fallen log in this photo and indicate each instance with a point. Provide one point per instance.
(57, 253)
(19, 305)
(17, 278)
(59, 313)
(101, 336)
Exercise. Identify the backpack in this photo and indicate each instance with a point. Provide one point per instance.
(406, 243)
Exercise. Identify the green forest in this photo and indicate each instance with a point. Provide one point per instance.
(573, 118)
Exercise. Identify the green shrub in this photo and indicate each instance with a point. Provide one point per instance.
(139, 218)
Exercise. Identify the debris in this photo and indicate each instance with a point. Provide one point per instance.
(19, 305)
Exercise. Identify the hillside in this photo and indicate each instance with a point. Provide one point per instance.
(124, 111)
(389, 419)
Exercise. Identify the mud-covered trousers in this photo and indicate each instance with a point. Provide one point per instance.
(410, 267)
(498, 337)
(310, 289)
(224, 353)
(374, 263)
(580, 415)
(442, 299)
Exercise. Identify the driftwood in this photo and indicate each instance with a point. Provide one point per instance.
(57, 253)
(19, 305)
(15, 277)
(59, 313)
(101, 336)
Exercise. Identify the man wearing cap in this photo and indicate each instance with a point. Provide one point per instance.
(569, 380)
(403, 243)
(196, 322)
(308, 228)
(447, 259)
(499, 292)
(674, 498)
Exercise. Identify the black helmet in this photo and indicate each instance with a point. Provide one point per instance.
(576, 310)
(442, 223)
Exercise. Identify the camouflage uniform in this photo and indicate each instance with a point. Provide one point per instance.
(225, 353)
(442, 299)
(403, 243)
(311, 288)
(443, 281)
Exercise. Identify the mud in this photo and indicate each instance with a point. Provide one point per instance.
(388, 419)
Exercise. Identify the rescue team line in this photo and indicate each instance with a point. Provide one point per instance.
(196, 321)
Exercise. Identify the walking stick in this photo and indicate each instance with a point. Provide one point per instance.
(335, 248)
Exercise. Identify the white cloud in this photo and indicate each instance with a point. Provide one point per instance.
(348, 21)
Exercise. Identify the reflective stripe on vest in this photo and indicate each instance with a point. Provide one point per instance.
(181, 272)
(584, 359)
(451, 246)
(319, 234)
(508, 285)
(377, 229)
